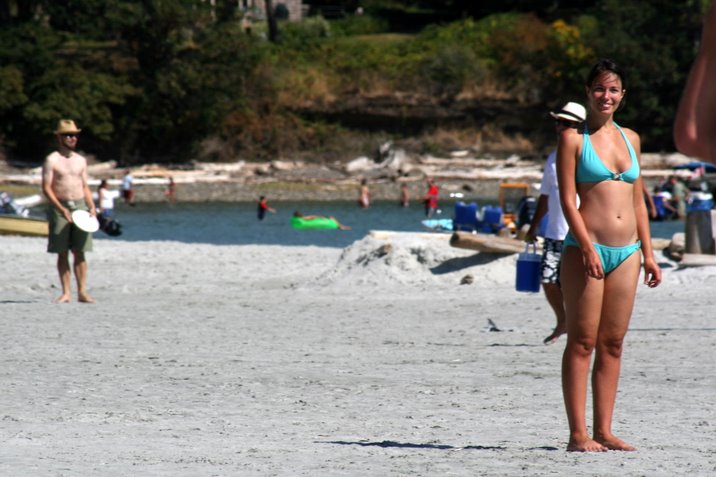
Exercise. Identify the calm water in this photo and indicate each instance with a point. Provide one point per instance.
(236, 223)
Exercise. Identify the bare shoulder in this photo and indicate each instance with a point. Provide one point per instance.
(634, 140)
(51, 157)
(633, 137)
(50, 161)
(570, 139)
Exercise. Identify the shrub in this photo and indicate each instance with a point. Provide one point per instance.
(359, 25)
(305, 34)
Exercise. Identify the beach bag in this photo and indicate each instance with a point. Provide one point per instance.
(113, 228)
(109, 226)
(528, 265)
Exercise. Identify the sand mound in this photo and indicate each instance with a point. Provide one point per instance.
(412, 260)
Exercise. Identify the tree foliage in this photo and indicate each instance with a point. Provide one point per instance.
(156, 79)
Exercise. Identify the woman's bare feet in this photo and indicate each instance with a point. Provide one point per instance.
(612, 442)
(585, 445)
(85, 298)
(62, 299)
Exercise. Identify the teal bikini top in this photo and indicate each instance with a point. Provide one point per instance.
(592, 169)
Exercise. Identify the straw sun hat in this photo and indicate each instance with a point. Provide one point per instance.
(67, 126)
(571, 112)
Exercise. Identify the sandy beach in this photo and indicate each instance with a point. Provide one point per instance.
(371, 360)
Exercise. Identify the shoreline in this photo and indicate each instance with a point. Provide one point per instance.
(297, 181)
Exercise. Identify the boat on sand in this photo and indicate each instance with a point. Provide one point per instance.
(19, 225)
(15, 216)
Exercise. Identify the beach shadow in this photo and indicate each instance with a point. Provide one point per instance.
(459, 263)
(409, 445)
(9, 302)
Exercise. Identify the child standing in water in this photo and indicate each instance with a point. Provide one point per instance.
(404, 195)
(364, 195)
(263, 207)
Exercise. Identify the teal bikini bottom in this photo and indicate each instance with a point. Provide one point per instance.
(611, 257)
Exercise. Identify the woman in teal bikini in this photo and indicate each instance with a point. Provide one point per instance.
(600, 260)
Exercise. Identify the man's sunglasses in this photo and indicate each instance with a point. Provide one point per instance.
(566, 124)
(69, 135)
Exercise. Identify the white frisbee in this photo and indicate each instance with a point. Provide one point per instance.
(85, 221)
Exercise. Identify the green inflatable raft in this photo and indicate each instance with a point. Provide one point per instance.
(321, 223)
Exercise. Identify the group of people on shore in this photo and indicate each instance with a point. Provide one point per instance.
(127, 190)
(668, 199)
(430, 199)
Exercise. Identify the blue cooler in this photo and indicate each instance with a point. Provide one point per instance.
(528, 276)
(465, 216)
(491, 219)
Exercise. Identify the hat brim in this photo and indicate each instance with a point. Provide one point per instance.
(566, 116)
(71, 131)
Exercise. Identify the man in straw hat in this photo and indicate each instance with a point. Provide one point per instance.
(64, 182)
(570, 116)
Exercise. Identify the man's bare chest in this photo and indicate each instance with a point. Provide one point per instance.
(70, 168)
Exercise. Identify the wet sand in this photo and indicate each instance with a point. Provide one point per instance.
(306, 361)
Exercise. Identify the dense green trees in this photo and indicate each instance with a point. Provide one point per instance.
(144, 79)
(169, 80)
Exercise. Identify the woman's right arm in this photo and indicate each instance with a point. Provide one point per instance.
(567, 152)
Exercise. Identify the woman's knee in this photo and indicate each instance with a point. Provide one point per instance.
(581, 346)
(611, 346)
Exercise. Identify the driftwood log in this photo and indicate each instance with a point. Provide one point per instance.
(697, 260)
(495, 244)
(487, 243)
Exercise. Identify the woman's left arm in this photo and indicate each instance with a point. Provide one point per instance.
(652, 272)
